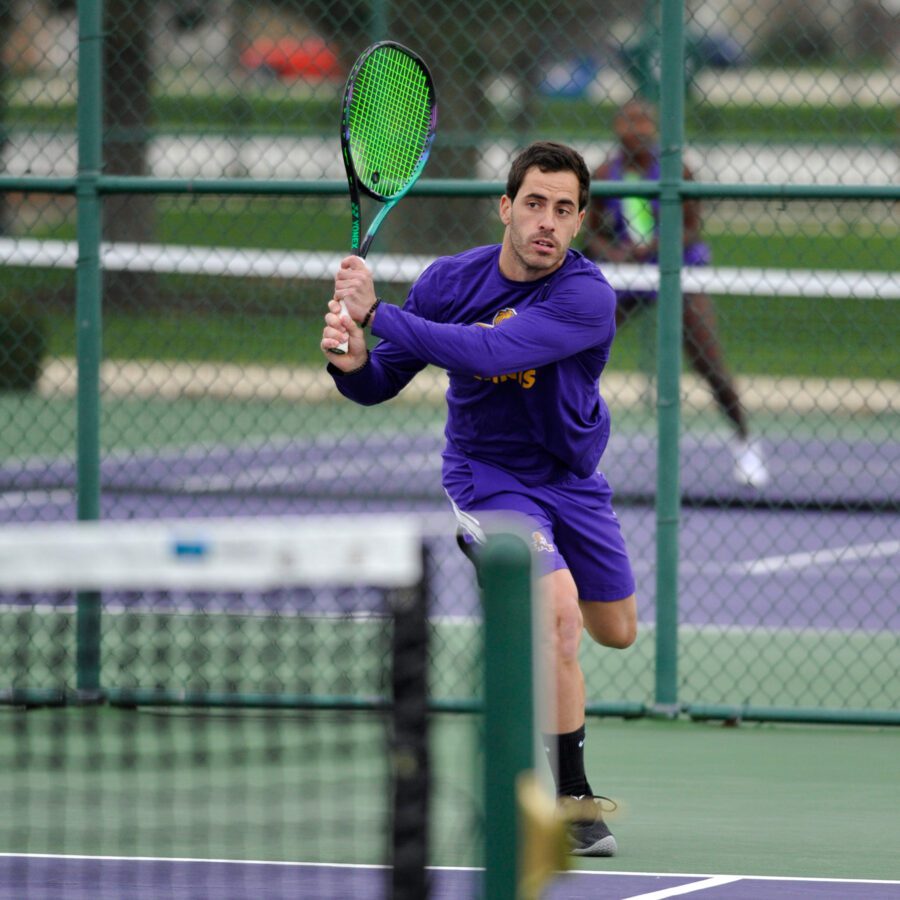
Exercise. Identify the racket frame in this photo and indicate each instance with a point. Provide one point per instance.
(360, 247)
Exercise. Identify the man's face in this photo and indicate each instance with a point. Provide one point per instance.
(540, 224)
(635, 128)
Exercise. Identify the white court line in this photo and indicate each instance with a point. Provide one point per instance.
(827, 557)
(800, 878)
(714, 881)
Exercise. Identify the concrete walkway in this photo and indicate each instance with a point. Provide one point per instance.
(227, 381)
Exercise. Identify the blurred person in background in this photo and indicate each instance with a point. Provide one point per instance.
(626, 230)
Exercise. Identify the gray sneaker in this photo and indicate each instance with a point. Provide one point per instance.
(588, 833)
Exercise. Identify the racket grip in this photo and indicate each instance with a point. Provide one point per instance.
(341, 349)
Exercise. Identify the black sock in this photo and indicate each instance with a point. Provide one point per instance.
(570, 777)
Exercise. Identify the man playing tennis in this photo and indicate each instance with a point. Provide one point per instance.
(524, 330)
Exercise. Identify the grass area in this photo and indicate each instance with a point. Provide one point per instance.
(816, 337)
(845, 249)
(267, 321)
(275, 111)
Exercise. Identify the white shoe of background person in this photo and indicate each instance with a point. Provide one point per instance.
(749, 464)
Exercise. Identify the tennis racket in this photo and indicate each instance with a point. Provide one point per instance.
(388, 121)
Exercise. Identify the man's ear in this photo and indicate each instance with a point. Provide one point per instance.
(505, 207)
(582, 213)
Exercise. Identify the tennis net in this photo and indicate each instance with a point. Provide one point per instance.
(233, 793)
(240, 707)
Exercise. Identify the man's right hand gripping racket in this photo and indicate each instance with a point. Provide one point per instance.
(388, 121)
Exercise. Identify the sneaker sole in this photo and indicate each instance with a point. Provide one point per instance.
(604, 847)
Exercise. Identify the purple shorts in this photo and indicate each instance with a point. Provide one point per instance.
(574, 525)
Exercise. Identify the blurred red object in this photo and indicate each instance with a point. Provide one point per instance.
(308, 58)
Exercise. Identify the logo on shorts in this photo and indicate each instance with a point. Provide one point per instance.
(540, 544)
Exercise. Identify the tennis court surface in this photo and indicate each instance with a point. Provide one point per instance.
(181, 803)
(245, 749)
(807, 473)
(110, 879)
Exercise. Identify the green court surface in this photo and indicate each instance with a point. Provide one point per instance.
(338, 656)
(806, 801)
(811, 801)
(251, 785)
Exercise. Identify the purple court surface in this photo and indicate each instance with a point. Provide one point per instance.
(103, 878)
(809, 473)
(773, 541)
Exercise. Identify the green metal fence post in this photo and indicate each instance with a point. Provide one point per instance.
(669, 357)
(380, 19)
(509, 707)
(88, 288)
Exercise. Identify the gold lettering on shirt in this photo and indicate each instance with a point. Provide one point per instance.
(524, 379)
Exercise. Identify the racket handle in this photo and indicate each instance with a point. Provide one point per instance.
(341, 349)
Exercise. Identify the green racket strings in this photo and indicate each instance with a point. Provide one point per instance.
(389, 121)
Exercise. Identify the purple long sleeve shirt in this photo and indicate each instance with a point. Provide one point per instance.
(523, 357)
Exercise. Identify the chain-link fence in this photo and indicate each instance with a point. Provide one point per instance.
(216, 159)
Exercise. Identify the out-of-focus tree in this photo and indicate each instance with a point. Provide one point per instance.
(126, 123)
(5, 30)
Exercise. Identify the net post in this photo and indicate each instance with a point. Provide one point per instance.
(505, 570)
(410, 775)
(88, 327)
(87, 647)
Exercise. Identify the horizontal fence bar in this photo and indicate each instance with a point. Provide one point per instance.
(626, 709)
(445, 187)
(38, 185)
(790, 191)
(220, 699)
(217, 699)
(810, 715)
(34, 697)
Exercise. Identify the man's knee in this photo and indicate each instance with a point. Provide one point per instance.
(619, 636)
(612, 624)
(569, 625)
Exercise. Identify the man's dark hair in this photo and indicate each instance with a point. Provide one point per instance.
(549, 156)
